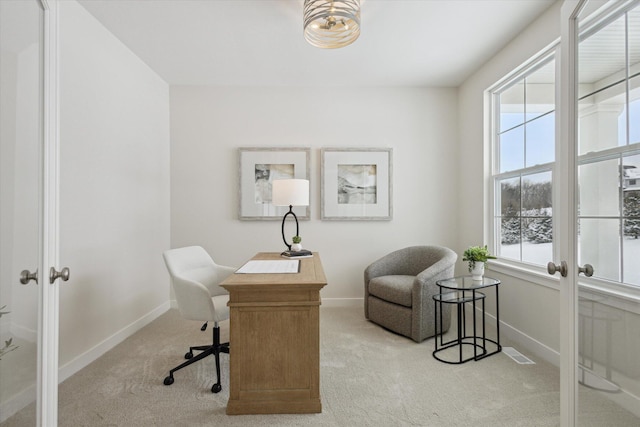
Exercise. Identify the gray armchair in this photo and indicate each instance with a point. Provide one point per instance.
(398, 290)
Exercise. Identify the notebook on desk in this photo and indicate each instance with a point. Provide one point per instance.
(270, 267)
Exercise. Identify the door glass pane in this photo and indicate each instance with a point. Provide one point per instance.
(602, 119)
(631, 220)
(599, 188)
(602, 87)
(599, 245)
(601, 58)
(634, 110)
(634, 70)
(20, 192)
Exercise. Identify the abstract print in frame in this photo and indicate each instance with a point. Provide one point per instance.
(356, 184)
(258, 168)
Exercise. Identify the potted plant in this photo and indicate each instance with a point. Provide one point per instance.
(477, 257)
(296, 244)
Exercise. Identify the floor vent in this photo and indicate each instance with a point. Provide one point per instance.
(517, 356)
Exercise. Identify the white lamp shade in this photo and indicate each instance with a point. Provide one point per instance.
(290, 192)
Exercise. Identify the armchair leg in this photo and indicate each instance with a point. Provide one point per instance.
(214, 349)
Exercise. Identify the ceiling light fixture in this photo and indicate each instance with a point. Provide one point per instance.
(330, 24)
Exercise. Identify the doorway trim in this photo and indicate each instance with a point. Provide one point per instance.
(48, 333)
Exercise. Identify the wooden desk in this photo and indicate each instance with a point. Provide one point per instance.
(274, 358)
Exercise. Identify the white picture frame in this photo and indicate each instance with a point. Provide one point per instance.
(356, 184)
(257, 168)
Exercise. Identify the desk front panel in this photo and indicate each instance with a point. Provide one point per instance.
(275, 341)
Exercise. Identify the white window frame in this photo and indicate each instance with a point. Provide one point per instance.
(520, 269)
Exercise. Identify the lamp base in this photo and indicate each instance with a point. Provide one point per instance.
(284, 239)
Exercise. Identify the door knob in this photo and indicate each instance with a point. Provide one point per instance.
(63, 274)
(26, 276)
(587, 270)
(553, 268)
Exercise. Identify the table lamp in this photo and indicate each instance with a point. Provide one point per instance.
(290, 192)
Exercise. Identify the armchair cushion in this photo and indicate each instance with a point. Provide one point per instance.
(396, 288)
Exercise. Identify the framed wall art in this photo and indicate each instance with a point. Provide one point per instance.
(356, 183)
(258, 168)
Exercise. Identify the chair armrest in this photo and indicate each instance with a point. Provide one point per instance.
(425, 283)
(443, 269)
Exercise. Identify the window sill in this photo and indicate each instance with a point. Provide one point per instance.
(528, 273)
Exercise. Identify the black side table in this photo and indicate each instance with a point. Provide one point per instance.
(459, 291)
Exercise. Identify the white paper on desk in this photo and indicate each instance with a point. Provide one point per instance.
(270, 266)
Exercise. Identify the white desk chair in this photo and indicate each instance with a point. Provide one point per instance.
(196, 278)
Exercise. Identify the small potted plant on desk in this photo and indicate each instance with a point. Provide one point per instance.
(297, 246)
(477, 257)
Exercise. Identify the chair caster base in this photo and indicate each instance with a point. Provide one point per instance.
(216, 388)
(168, 380)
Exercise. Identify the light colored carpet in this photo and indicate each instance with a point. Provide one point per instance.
(369, 377)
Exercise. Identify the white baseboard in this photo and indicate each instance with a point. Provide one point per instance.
(343, 302)
(98, 350)
(531, 344)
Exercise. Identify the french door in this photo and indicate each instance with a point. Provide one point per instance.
(598, 157)
(28, 220)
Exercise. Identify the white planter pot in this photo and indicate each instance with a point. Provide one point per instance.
(478, 271)
(296, 247)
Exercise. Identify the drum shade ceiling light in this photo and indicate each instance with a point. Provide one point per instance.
(330, 24)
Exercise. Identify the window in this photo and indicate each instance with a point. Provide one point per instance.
(524, 153)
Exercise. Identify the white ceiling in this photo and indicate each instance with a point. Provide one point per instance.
(260, 42)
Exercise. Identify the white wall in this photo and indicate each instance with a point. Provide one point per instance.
(209, 124)
(528, 307)
(114, 204)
